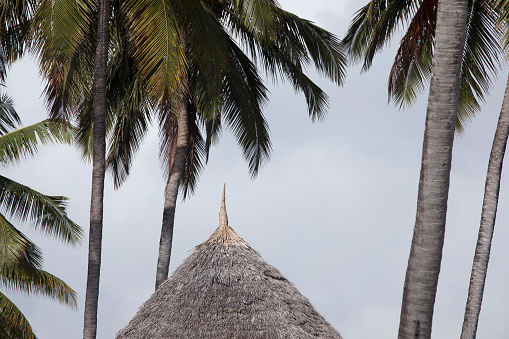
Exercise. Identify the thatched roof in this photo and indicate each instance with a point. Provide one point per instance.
(226, 290)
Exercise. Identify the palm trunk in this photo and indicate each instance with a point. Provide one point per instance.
(98, 170)
(489, 213)
(426, 251)
(172, 186)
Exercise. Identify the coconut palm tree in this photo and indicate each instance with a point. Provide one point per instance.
(283, 43)
(435, 27)
(489, 208)
(21, 259)
(486, 229)
(426, 250)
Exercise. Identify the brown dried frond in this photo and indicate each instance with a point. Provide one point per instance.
(418, 38)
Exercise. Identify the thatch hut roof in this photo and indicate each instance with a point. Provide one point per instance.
(224, 289)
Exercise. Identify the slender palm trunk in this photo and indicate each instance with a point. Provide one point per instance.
(98, 170)
(489, 213)
(172, 186)
(426, 251)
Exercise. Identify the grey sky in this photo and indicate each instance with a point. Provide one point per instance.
(333, 209)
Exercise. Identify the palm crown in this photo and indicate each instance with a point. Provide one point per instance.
(374, 24)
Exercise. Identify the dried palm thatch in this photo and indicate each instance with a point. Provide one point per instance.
(226, 290)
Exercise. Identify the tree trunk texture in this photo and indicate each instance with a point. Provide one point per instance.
(488, 215)
(426, 251)
(172, 185)
(98, 171)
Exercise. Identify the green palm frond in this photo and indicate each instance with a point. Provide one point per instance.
(480, 60)
(204, 41)
(130, 128)
(43, 212)
(59, 27)
(15, 20)
(299, 43)
(156, 44)
(373, 26)
(15, 247)
(23, 142)
(20, 267)
(244, 96)
(324, 48)
(213, 131)
(127, 103)
(259, 16)
(9, 119)
(36, 281)
(67, 68)
(13, 323)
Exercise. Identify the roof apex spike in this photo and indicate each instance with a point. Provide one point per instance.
(223, 217)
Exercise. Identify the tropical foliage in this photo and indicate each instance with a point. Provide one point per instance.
(376, 23)
(20, 259)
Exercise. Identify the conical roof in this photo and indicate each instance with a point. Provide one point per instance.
(224, 289)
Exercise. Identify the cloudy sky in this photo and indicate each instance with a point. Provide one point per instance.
(333, 209)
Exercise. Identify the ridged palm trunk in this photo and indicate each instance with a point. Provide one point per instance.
(172, 185)
(489, 213)
(426, 251)
(98, 170)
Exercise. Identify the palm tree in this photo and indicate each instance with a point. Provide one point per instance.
(469, 53)
(21, 259)
(488, 215)
(426, 251)
(284, 43)
(98, 170)
(489, 211)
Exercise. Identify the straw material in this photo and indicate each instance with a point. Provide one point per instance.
(224, 289)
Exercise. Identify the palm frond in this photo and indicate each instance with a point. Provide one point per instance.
(127, 102)
(13, 323)
(244, 96)
(412, 65)
(69, 77)
(59, 27)
(43, 212)
(299, 44)
(324, 48)
(213, 131)
(23, 142)
(9, 119)
(131, 126)
(15, 37)
(480, 60)
(156, 44)
(36, 281)
(373, 26)
(15, 247)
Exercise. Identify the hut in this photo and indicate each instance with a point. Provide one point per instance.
(224, 289)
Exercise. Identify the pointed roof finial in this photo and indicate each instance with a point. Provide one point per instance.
(223, 218)
(224, 234)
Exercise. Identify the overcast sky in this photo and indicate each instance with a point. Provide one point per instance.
(333, 209)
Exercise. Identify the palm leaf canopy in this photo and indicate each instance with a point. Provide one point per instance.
(374, 25)
(153, 43)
